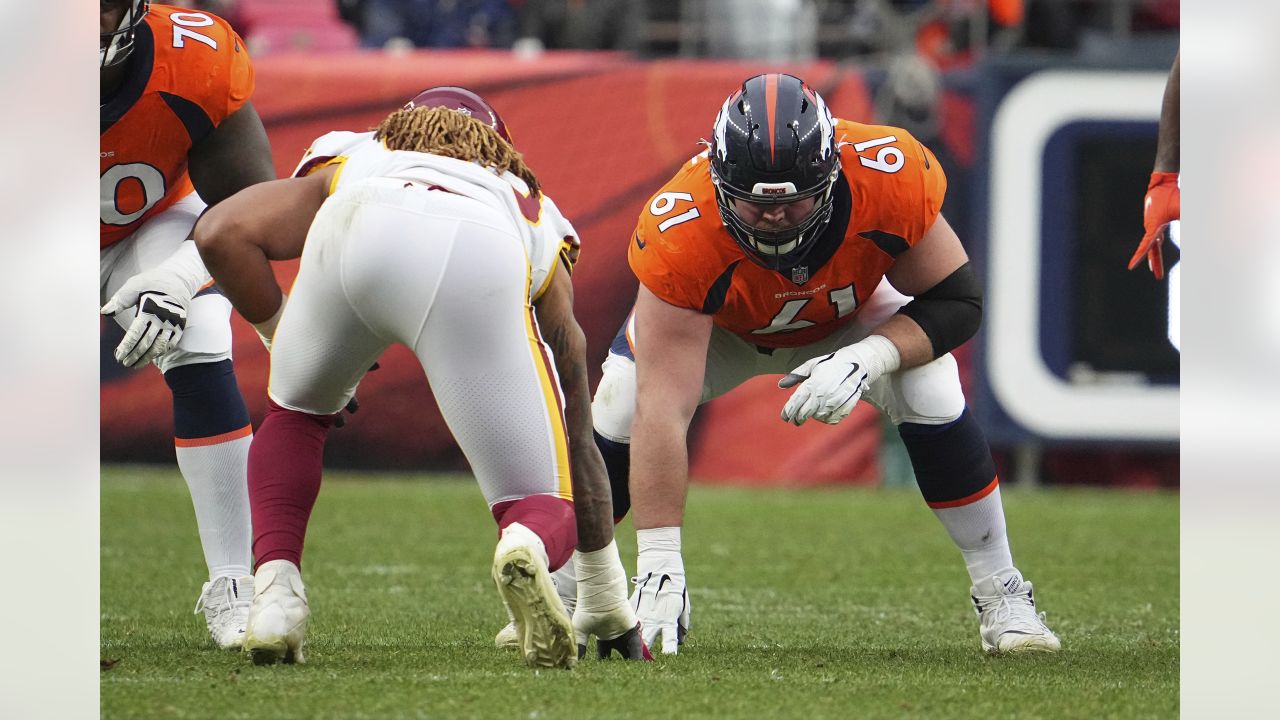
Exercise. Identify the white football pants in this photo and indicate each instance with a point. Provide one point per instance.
(392, 262)
(929, 394)
(207, 336)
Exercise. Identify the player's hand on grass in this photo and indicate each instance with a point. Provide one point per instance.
(630, 645)
(603, 609)
(661, 598)
(1162, 205)
(162, 301)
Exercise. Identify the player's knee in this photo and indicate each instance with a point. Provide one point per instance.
(617, 463)
(614, 404)
(206, 400)
(207, 337)
(928, 395)
(952, 461)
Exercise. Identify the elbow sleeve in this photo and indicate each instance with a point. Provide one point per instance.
(949, 312)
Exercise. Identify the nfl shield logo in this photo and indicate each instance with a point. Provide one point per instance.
(800, 274)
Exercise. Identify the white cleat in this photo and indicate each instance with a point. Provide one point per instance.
(541, 623)
(1007, 615)
(508, 639)
(278, 618)
(225, 604)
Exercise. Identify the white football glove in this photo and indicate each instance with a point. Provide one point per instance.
(163, 296)
(162, 303)
(831, 385)
(661, 598)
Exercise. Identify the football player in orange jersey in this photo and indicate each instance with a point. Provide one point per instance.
(177, 132)
(814, 247)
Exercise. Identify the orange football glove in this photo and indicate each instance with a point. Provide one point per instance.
(1163, 205)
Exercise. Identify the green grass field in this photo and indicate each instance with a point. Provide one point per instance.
(806, 604)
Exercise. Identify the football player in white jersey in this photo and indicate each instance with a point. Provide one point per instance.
(430, 232)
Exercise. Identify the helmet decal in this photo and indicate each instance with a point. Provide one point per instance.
(722, 124)
(826, 124)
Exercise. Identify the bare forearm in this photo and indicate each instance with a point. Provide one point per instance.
(668, 390)
(913, 345)
(592, 500)
(241, 269)
(659, 472)
(240, 236)
(1168, 151)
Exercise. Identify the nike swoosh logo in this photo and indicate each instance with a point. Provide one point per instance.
(852, 370)
(639, 242)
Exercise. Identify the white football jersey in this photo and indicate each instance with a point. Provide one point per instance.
(545, 232)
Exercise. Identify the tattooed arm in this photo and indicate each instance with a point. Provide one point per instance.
(591, 496)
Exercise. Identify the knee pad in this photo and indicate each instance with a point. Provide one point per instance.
(206, 401)
(952, 462)
(207, 336)
(928, 395)
(614, 405)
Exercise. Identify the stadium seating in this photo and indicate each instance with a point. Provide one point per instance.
(273, 26)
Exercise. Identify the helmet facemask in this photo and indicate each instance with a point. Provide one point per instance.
(782, 247)
(114, 47)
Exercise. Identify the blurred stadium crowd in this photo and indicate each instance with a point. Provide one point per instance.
(946, 32)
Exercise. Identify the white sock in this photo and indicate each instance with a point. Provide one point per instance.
(566, 582)
(216, 475)
(978, 529)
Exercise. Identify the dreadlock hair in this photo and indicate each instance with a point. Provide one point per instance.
(449, 133)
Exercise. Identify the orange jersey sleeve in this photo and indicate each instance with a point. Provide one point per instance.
(897, 184)
(680, 247)
(188, 72)
(202, 59)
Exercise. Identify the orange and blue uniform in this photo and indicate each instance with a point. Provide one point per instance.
(887, 196)
(189, 71)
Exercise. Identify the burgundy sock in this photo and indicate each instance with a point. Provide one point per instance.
(285, 461)
(549, 517)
